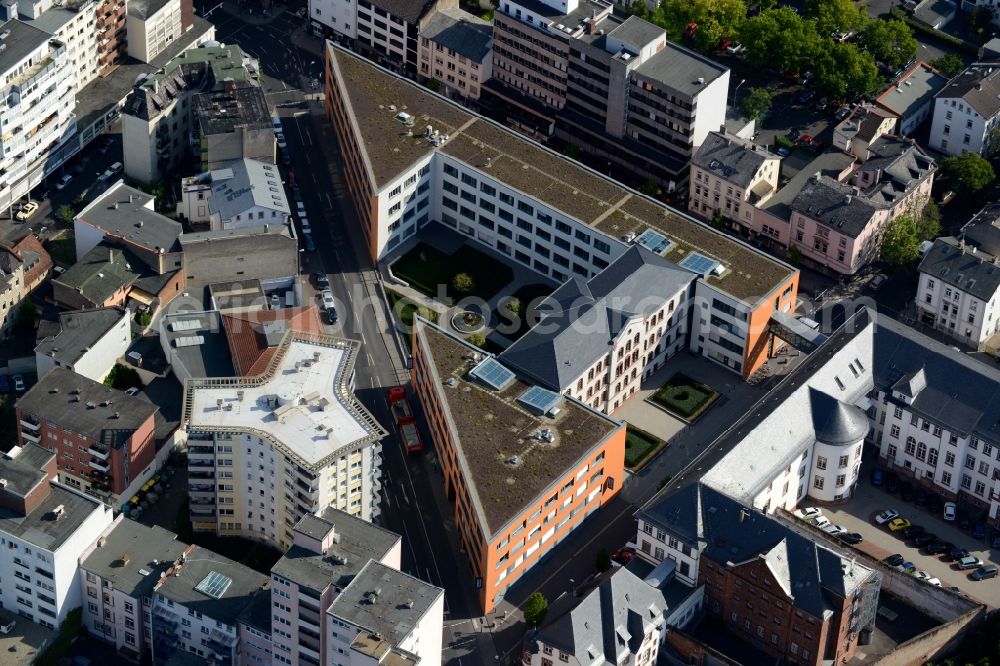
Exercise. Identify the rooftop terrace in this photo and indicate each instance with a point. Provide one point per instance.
(376, 96)
(301, 402)
(493, 429)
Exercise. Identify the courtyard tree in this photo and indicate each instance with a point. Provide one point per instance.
(463, 283)
(843, 71)
(889, 41)
(950, 64)
(780, 38)
(65, 213)
(835, 16)
(900, 243)
(967, 173)
(757, 103)
(535, 609)
(477, 339)
(717, 20)
(929, 221)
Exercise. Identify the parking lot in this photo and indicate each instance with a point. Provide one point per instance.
(858, 514)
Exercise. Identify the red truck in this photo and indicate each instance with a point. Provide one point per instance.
(402, 413)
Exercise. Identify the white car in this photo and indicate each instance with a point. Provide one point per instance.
(276, 123)
(63, 182)
(886, 516)
(281, 140)
(300, 208)
(327, 296)
(950, 511)
(809, 513)
(936, 582)
(834, 530)
(822, 522)
(921, 575)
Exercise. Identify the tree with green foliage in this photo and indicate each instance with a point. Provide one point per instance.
(833, 16)
(900, 243)
(717, 220)
(513, 304)
(59, 647)
(535, 609)
(463, 283)
(477, 339)
(757, 103)
(981, 19)
(929, 221)
(603, 562)
(967, 173)
(889, 41)
(780, 38)
(782, 141)
(717, 20)
(650, 187)
(123, 377)
(843, 71)
(794, 255)
(950, 64)
(65, 214)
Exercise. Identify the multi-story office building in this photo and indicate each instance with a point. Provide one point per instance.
(385, 30)
(158, 119)
(263, 451)
(960, 281)
(233, 124)
(103, 438)
(729, 176)
(967, 111)
(240, 193)
(599, 340)
(153, 25)
(37, 124)
(456, 50)
(546, 213)
(45, 528)
(89, 342)
(328, 552)
(793, 598)
(523, 465)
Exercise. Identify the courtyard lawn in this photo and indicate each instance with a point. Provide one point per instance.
(638, 445)
(424, 268)
(684, 397)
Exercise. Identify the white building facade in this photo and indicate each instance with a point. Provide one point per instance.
(967, 112)
(96, 359)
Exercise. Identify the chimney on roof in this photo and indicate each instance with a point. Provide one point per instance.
(855, 190)
(130, 198)
(847, 199)
(111, 255)
(592, 24)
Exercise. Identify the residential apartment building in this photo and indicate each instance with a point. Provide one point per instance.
(23, 266)
(154, 24)
(385, 30)
(858, 131)
(89, 342)
(966, 112)
(960, 280)
(73, 24)
(568, 458)
(37, 124)
(265, 252)
(252, 469)
(621, 618)
(103, 438)
(547, 213)
(44, 528)
(792, 597)
(158, 119)
(456, 50)
(729, 176)
(598, 340)
(911, 97)
(240, 193)
(233, 124)
(112, 35)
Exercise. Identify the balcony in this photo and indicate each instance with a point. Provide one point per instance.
(309, 618)
(99, 452)
(30, 437)
(30, 423)
(203, 509)
(99, 465)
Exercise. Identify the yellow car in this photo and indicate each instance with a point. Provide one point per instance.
(27, 210)
(897, 524)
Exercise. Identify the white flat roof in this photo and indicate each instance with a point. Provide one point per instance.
(302, 403)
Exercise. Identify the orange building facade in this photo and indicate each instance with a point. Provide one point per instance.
(515, 496)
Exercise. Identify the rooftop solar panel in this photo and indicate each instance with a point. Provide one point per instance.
(699, 263)
(214, 584)
(540, 400)
(491, 373)
(654, 241)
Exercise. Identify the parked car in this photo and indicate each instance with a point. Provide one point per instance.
(956, 553)
(4, 384)
(934, 503)
(877, 282)
(322, 281)
(282, 144)
(907, 567)
(623, 555)
(912, 531)
(921, 575)
(937, 548)
(898, 524)
(969, 562)
(26, 211)
(331, 315)
(950, 511)
(327, 297)
(63, 182)
(805, 96)
(984, 572)
(310, 245)
(783, 152)
(886, 516)
(921, 497)
(893, 560)
(19, 383)
(906, 491)
(276, 124)
(936, 582)
(979, 531)
(834, 530)
(924, 539)
(891, 482)
(808, 513)
(852, 538)
(878, 476)
(842, 113)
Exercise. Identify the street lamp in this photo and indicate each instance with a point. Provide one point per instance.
(736, 92)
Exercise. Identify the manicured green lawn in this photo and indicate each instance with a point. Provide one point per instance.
(424, 268)
(684, 396)
(638, 445)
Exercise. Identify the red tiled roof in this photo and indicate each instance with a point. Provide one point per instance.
(247, 342)
(35, 272)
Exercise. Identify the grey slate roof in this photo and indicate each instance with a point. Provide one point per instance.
(835, 422)
(358, 541)
(401, 602)
(608, 622)
(43, 527)
(581, 318)
(731, 158)
(149, 551)
(54, 400)
(243, 184)
(900, 165)
(460, 31)
(78, 331)
(20, 41)
(101, 272)
(957, 265)
(179, 587)
(127, 213)
(680, 69)
(979, 86)
(727, 531)
(961, 392)
(834, 204)
(983, 230)
(913, 90)
(21, 468)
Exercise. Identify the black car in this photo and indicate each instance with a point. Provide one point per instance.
(906, 491)
(955, 554)
(894, 560)
(934, 503)
(924, 539)
(331, 315)
(891, 482)
(921, 497)
(850, 537)
(938, 548)
(964, 524)
(912, 531)
(878, 476)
